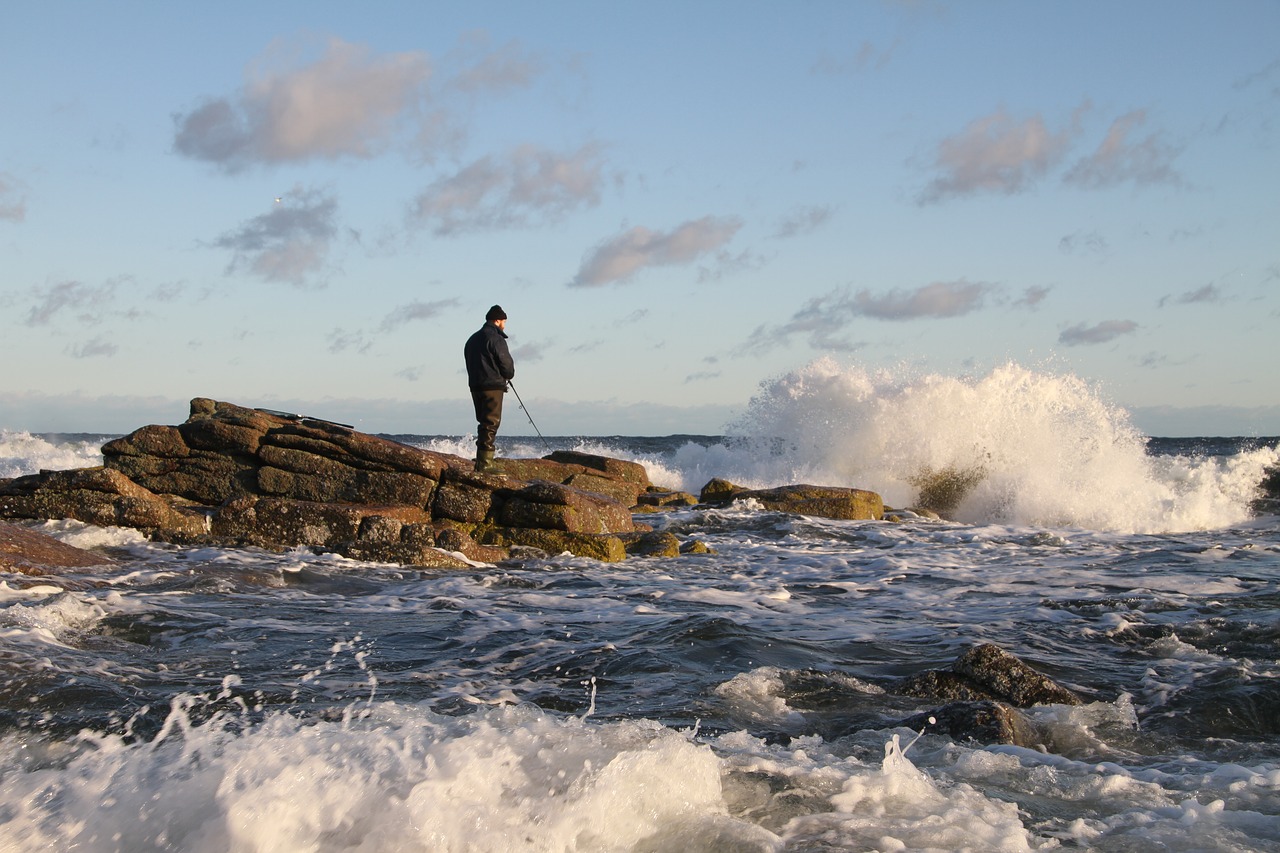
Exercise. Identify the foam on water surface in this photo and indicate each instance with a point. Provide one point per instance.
(389, 777)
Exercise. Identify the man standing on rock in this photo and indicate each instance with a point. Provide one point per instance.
(489, 369)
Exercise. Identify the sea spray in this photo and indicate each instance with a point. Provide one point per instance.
(22, 453)
(1014, 446)
(394, 777)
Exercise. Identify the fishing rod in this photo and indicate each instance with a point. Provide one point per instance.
(529, 416)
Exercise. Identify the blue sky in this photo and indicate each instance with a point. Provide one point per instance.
(310, 206)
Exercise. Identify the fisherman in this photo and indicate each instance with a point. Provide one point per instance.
(489, 369)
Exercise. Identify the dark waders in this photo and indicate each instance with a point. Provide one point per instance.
(488, 418)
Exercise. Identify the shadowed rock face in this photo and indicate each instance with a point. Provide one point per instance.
(988, 672)
(238, 476)
(986, 685)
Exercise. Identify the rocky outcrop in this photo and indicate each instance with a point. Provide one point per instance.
(980, 697)
(238, 476)
(30, 552)
(986, 686)
(824, 501)
(989, 673)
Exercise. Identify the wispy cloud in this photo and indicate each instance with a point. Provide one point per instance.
(803, 221)
(94, 348)
(996, 154)
(1208, 293)
(87, 302)
(822, 320)
(1083, 243)
(620, 258)
(530, 185)
(1268, 76)
(486, 69)
(940, 299)
(13, 199)
(290, 243)
(416, 311)
(1099, 333)
(1121, 158)
(634, 317)
(345, 103)
(866, 56)
(533, 351)
(341, 340)
(1032, 297)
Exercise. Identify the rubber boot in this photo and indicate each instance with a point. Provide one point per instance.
(485, 463)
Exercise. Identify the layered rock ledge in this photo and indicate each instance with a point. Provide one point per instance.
(232, 476)
(235, 476)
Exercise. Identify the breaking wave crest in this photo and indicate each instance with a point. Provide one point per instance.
(1014, 446)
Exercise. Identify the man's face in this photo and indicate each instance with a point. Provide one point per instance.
(501, 324)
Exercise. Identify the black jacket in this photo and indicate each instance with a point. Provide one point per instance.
(489, 364)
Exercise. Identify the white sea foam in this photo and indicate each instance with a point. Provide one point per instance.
(757, 696)
(392, 778)
(1037, 448)
(22, 453)
(49, 619)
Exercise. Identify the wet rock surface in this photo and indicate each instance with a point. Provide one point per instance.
(237, 476)
(30, 552)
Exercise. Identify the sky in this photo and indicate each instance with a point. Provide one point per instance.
(310, 205)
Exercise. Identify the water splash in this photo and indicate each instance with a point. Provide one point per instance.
(1014, 446)
(22, 453)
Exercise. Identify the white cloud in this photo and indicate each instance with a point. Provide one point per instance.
(288, 244)
(620, 258)
(1120, 158)
(996, 154)
(346, 103)
(823, 319)
(415, 311)
(529, 185)
(1099, 333)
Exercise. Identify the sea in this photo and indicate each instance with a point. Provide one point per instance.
(221, 699)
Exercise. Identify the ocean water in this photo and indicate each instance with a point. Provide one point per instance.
(201, 699)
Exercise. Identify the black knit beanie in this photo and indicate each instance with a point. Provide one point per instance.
(495, 313)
